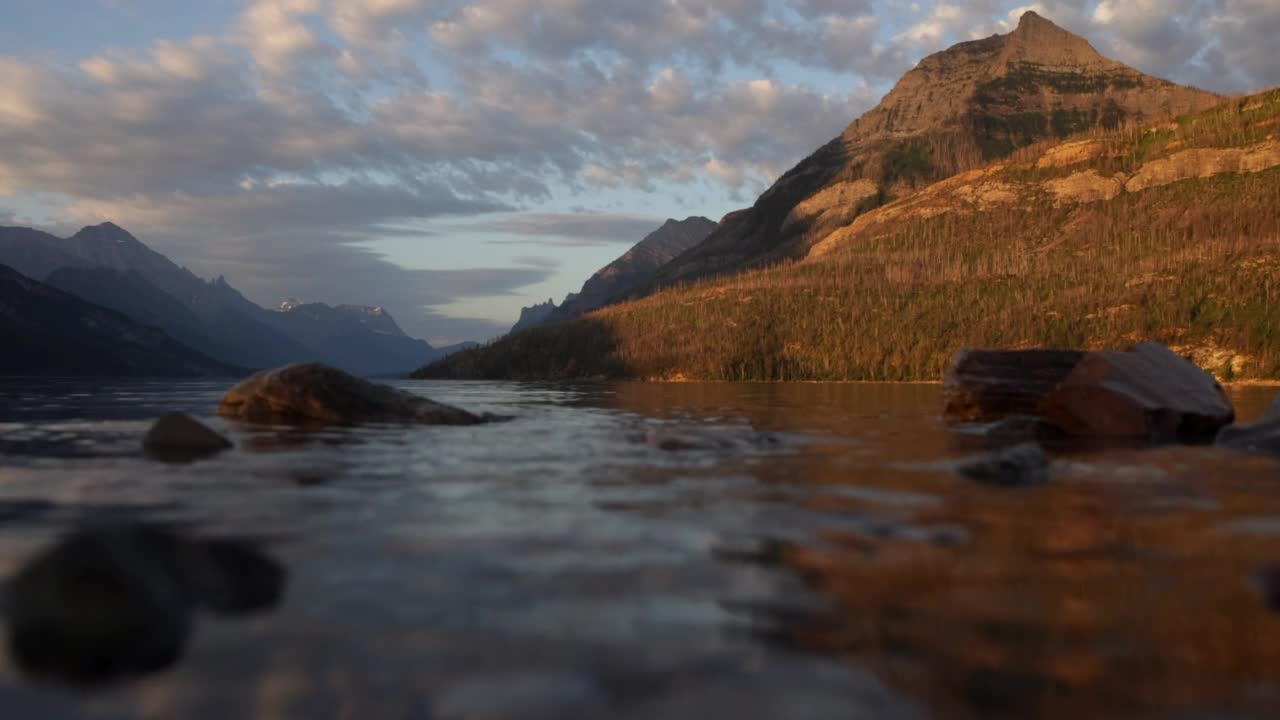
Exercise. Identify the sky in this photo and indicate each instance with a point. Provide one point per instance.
(454, 160)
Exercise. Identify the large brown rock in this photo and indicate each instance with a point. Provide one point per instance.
(1147, 392)
(313, 393)
(983, 385)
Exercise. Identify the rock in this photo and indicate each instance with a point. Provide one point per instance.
(178, 437)
(1273, 412)
(1017, 466)
(1147, 392)
(690, 438)
(984, 385)
(109, 603)
(1261, 437)
(316, 393)
(1020, 429)
(1269, 585)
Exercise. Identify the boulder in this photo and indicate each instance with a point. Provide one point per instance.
(1018, 429)
(1017, 466)
(1269, 585)
(1147, 392)
(1273, 412)
(985, 385)
(1261, 437)
(113, 602)
(313, 393)
(178, 437)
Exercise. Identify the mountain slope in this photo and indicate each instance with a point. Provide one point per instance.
(112, 268)
(353, 338)
(535, 315)
(50, 332)
(1168, 232)
(635, 268)
(106, 265)
(958, 109)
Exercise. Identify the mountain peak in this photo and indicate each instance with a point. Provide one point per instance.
(1031, 18)
(105, 232)
(1038, 40)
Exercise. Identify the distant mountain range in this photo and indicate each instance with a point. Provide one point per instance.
(49, 332)
(107, 266)
(635, 269)
(1016, 191)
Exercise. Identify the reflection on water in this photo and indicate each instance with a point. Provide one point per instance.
(636, 551)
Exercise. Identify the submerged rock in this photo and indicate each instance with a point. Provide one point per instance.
(984, 385)
(1273, 412)
(1020, 429)
(1260, 437)
(109, 603)
(1146, 392)
(1269, 585)
(316, 393)
(1017, 466)
(178, 437)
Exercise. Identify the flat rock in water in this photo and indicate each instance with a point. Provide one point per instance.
(1017, 466)
(180, 437)
(315, 393)
(985, 385)
(1147, 392)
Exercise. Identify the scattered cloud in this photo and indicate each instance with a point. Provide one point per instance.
(271, 148)
(569, 229)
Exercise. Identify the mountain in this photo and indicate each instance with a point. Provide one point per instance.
(636, 268)
(106, 265)
(114, 269)
(50, 332)
(958, 109)
(1166, 231)
(534, 315)
(377, 319)
(363, 340)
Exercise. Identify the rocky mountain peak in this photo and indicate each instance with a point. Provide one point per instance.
(1041, 41)
(107, 232)
(957, 110)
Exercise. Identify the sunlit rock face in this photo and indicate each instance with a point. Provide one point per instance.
(958, 109)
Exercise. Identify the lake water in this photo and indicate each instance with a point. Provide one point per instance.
(668, 551)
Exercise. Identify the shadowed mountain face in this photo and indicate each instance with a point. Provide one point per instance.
(535, 315)
(353, 337)
(957, 110)
(108, 266)
(616, 281)
(637, 267)
(50, 332)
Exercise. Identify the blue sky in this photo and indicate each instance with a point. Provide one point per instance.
(454, 160)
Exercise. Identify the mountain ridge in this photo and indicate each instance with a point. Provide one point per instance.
(108, 266)
(958, 109)
(51, 332)
(1163, 232)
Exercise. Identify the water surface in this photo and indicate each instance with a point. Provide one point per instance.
(672, 551)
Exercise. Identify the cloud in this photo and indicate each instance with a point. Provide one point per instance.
(570, 229)
(271, 149)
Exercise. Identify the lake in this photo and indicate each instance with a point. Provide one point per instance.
(667, 551)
